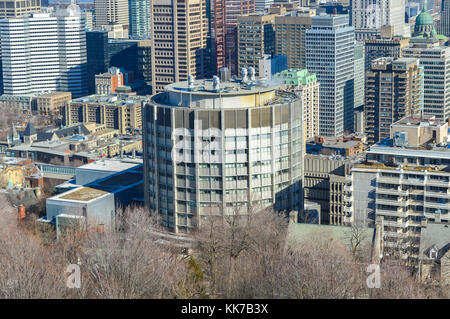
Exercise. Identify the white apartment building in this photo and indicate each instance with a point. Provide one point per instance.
(45, 52)
(402, 186)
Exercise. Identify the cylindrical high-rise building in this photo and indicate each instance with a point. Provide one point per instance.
(213, 148)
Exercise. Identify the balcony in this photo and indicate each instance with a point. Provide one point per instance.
(394, 213)
(413, 223)
(434, 182)
(389, 191)
(395, 224)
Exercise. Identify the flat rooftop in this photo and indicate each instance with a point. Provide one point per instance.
(104, 186)
(113, 99)
(425, 122)
(206, 87)
(111, 165)
(84, 194)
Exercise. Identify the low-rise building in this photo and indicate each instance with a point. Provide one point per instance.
(96, 202)
(52, 103)
(22, 103)
(120, 112)
(343, 146)
(107, 83)
(324, 181)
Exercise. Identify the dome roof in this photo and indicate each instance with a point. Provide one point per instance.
(424, 18)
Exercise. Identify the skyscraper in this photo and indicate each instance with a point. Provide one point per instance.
(290, 32)
(394, 90)
(217, 32)
(330, 51)
(256, 37)
(109, 12)
(445, 18)
(178, 32)
(372, 14)
(45, 52)
(139, 13)
(359, 72)
(435, 62)
(234, 8)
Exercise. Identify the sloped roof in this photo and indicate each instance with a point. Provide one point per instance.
(29, 130)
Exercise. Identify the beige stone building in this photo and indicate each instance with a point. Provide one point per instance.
(290, 38)
(179, 41)
(120, 112)
(52, 103)
(111, 12)
(18, 8)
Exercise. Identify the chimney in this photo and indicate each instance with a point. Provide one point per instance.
(21, 212)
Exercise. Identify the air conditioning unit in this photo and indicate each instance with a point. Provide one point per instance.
(400, 139)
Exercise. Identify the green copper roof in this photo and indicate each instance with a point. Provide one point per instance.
(424, 18)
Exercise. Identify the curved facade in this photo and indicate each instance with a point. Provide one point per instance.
(210, 150)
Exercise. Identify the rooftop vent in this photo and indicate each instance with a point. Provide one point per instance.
(244, 75)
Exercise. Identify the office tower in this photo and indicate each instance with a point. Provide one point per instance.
(330, 54)
(385, 45)
(234, 8)
(139, 13)
(372, 14)
(290, 30)
(306, 85)
(217, 32)
(445, 18)
(123, 53)
(221, 149)
(256, 38)
(178, 36)
(97, 55)
(18, 8)
(45, 52)
(359, 73)
(435, 62)
(394, 90)
(110, 12)
(263, 5)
